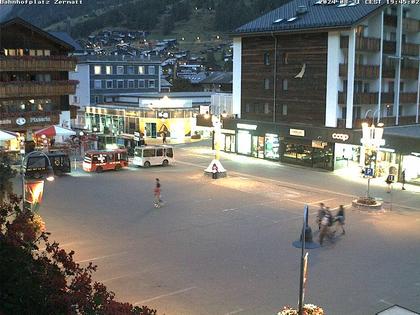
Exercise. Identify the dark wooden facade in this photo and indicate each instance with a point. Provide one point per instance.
(300, 100)
(34, 80)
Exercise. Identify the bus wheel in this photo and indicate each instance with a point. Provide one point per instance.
(117, 167)
(99, 170)
(165, 163)
(146, 164)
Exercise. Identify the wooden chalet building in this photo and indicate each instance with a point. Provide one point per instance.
(34, 78)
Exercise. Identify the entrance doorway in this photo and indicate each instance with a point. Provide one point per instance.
(150, 130)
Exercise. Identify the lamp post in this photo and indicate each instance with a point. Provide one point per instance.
(49, 177)
(371, 140)
(215, 168)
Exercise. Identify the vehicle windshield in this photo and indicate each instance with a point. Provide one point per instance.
(137, 152)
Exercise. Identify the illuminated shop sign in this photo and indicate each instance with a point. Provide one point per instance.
(246, 126)
(297, 132)
(340, 136)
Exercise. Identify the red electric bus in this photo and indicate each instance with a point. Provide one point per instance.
(98, 161)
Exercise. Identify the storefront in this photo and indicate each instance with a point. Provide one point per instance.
(318, 147)
(176, 123)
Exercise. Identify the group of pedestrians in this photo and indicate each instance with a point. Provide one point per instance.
(326, 221)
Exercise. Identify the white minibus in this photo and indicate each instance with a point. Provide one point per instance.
(153, 155)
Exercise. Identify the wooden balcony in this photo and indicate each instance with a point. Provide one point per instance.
(406, 73)
(388, 98)
(362, 43)
(387, 121)
(359, 98)
(32, 89)
(369, 72)
(35, 63)
(410, 49)
(409, 25)
(389, 47)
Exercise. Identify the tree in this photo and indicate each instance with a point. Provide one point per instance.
(6, 174)
(47, 281)
(183, 85)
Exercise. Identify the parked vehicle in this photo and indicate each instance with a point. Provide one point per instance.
(153, 155)
(104, 160)
(36, 165)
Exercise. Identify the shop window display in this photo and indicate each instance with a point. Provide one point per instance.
(272, 147)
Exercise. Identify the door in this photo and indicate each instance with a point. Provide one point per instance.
(151, 130)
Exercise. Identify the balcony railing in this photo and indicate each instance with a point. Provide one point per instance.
(388, 98)
(35, 63)
(409, 25)
(406, 73)
(387, 121)
(406, 49)
(32, 89)
(362, 43)
(410, 49)
(361, 71)
(359, 98)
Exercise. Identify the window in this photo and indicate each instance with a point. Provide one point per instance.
(401, 87)
(75, 100)
(267, 59)
(47, 52)
(151, 70)
(130, 70)
(120, 69)
(169, 152)
(151, 84)
(148, 152)
(285, 85)
(247, 108)
(32, 52)
(285, 58)
(344, 85)
(109, 84)
(159, 152)
(97, 69)
(357, 112)
(266, 84)
(284, 110)
(108, 69)
(141, 84)
(120, 84)
(366, 87)
(39, 52)
(393, 36)
(97, 84)
(266, 108)
(141, 69)
(404, 39)
(131, 84)
(96, 99)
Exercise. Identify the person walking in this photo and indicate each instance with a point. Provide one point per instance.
(157, 199)
(163, 137)
(403, 179)
(388, 182)
(321, 213)
(340, 218)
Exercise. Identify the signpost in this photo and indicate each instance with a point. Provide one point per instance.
(303, 263)
(369, 175)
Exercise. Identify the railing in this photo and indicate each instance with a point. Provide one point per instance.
(410, 49)
(359, 98)
(388, 98)
(387, 121)
(406, 73)
(409, 25)
(389, 47)
(35, 63)
(361, 71)
(33, 88)
(362, 43)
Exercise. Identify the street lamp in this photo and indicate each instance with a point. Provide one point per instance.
(49, 176)
(215, 168)
(371, 140)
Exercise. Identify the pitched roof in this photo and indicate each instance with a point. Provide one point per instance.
(318, 16)
(65, 37)
(20, 21)
(218, 78)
